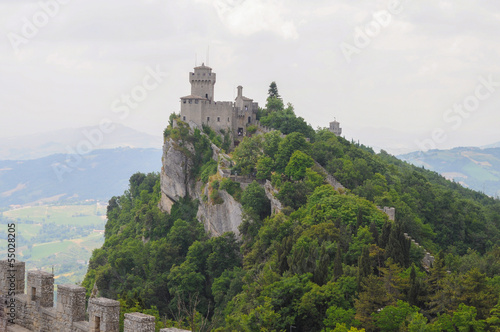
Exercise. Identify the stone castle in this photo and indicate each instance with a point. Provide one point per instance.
(200, 107)
(35, 310)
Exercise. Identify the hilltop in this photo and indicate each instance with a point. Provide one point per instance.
(310, 249)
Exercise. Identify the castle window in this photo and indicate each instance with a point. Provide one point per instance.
(183, 118)
(208, 119)
(33, 294)
(218, 119)
(190, 101)
(184, 101)
(249, 119)
(206, 95)
(246, 108)
(228, 119)
(196, 101)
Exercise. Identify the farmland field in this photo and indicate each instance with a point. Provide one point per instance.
(56, 238)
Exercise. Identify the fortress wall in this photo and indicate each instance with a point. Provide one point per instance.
(35, 310)
(220, 110)
(138, 322)
(104, 315)
(191, 112)
(7, 270)
(70, 306)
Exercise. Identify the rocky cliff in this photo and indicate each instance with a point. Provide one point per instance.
(178, 181)
(175, 173)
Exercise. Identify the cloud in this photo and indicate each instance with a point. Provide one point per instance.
(247, 17)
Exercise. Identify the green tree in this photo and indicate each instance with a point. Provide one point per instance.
(299, 162)
(465, 319)
(254, 199)
(337, 264)
(372, 298)
(264, 168)
(395, 317)
(290, 144)
(271, 143)
(247, 153)
(273, 90)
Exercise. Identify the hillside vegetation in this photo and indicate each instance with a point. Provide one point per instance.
(329, 261)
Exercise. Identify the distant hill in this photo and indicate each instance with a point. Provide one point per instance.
(100, 174)
(475, 168)
(65, 140)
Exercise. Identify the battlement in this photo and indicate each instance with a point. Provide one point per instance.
(389, 211)
(35, 310)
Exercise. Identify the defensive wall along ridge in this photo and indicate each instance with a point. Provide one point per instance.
(34, 310)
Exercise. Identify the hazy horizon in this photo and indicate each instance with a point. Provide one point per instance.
(400, 76)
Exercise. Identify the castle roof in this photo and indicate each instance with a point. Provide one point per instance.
(194, 97)
(244, 98)
(202, 67)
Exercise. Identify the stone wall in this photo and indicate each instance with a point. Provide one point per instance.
(276, 206)
(139, 322)
(389, 211)
(35, 311)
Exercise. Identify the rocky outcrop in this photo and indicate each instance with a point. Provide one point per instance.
(220, 218)
(177, 181)
(275, 203)
(175, 173)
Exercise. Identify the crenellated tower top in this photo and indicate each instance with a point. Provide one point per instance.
(202, 82)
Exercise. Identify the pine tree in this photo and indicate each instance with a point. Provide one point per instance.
(273, 91)
(321, 270)
(372, 298)
(386, 232)
(374, 231)
(398, 247)
(414, 287)
(337, 264)
(364, 265)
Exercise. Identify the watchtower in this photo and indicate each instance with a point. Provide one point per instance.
(335, 127)
(202, 82)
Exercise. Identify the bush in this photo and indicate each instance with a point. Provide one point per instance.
(232, 188)
(208, 170)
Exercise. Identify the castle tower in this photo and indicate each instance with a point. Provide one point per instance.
(202, 82)
(335, 128)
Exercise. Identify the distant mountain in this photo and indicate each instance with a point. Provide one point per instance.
(100, 174)
(475, 168)
(493, 145)
(75, 139)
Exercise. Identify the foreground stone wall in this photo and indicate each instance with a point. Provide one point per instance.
(35, 310)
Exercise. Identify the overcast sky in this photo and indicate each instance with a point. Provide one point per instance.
(390, 73)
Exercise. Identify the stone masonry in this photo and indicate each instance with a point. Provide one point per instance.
(137, 321)
(35, 310)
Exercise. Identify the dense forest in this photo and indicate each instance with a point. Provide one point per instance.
(329, 261)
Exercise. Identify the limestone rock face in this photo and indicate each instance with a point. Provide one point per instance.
(175, 173)
(221, 218)
(176, 182)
